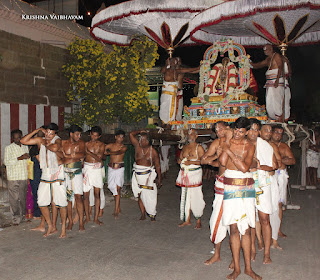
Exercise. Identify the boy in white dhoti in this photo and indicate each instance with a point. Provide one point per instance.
(287, 158)
(73, 151)
(52, 189)
(266, 133)
(264, 162)
(145, 170)
(190, 181)
(217, 230)
(93, 172)
(116, 151)
(239, 196)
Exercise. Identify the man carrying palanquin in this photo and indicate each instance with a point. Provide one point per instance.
(116, 151)
(190, 181)
(145, 170)
(217, 230)
(239, 196)
(264, 162)
(266, 133)
(287, 158)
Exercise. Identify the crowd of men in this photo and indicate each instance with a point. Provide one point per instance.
(250, 189)
(69, 175)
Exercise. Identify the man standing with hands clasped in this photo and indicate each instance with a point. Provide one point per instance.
(15, 160)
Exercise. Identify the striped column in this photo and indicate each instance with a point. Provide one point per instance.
(27, 118)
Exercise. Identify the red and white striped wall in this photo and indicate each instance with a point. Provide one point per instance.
(27, 118)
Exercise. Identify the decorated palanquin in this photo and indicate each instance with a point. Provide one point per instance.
(223, 89)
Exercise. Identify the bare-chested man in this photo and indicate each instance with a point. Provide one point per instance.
(116, 151)
(73, 151)
(93, 172)
(266, 133)
(217, 230)
(190, 181)
(287, 158)
(239, 196)
(145, 170)
(264, 161)
(52, 189)
(276, 86)
(171, 100)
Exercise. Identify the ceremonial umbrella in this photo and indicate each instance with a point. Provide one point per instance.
(164, 21)
(257, 22)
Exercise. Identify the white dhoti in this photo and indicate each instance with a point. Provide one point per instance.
(262, 178)
(164, 161)
(168, 101)
(143, 184)
(93, 174)
(190, 181)
(93, 177)
(282, 178)
(313, 158)
(217, 231)
(274, 96)
(239, 200)
(52, 188)
(274, 217)
(262, 184)
(179, 108)
(102, 198)
(115, 178)
(73, 179)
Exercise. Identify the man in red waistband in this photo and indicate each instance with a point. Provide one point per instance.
(217, 230)
(116, 151)
(239, 196)
(190, 181)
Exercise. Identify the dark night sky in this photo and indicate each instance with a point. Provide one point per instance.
(305, 60)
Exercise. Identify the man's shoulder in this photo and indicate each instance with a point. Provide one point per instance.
(284, 146)
(249, 144)
(110, 145)
(81, 143)
(216, 142)
(101, 143)
(154, 149)
(9, 146)
(25, 147)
